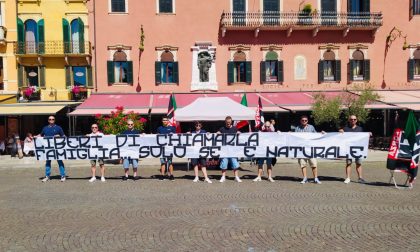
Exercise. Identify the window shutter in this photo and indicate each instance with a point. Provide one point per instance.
(351, 70)
(320, 71)
(175, 73)
(20, 76)
(158, 72)
(21, 36)
(349, 5)
(262, 72)
(110, 69)
(41, 36)
(89, 77)
(338, 70)
(366, 69)
(130, 72)
(81, 36)
(42, 76)
(248, 69)
(67, 70)
(366, 6)
(66, 35)
(230, 72)
(411, 65)
(280, 72)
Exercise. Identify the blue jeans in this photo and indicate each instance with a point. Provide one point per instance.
(225, 162)
(128, 161)
(60, 167)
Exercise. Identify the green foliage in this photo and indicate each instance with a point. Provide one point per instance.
(355, 104)
(307, 9)
(116, 123)
(326, 110)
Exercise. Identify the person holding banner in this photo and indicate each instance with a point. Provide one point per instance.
(96, 132)
(133, 161)
(53, 130)
(267, 127)
(166, 128)
(224, 162)
(353, 127)
(195, 162)
(303, 162)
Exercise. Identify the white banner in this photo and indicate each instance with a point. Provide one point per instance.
(250, 145)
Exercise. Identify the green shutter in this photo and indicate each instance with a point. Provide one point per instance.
(262, 72)
(175, 73)
(366, 6)
(20, 76)
(21, 37)
(412, 8)
(411, 65)
(158, 72)
(81, 36)
(320, 71)
(130, 72)
(41, 36)
(230, 72)
(110, 69)
(280, 72)
(42, 76)
(366, 69)
(66, 35)
(338, 70)
(67, 70)
(351, 70)
(89, 77)
(248, 69)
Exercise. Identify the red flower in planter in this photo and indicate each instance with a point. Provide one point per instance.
(76, 90)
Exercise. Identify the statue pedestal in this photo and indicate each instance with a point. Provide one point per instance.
(196, 84)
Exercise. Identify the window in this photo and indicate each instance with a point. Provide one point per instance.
(118, 6)
(239, 9)
(271, 68)
(414, 66)
(77, 36)
(239, 70)
(79, 76)
(328, 12)
(120, 70)
(356, 6)
(271, 12)
(415, 7)
(31, 36)
(31, 76)
(359, 67)
(166, 70)
(329, 69)
(166, 6)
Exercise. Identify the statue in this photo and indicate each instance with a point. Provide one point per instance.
(204, 64)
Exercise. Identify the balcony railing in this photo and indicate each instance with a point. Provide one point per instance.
(275, 19)
(56, 48)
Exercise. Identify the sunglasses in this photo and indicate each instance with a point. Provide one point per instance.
(130, 124)
(94, 127)
(51, 119)
(353, 119)
(303, 120)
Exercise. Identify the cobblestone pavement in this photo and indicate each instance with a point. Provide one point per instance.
(151, 215)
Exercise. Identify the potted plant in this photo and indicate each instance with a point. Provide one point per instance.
(305, 17)
(31, 93)
(116, 122)
(78, 92)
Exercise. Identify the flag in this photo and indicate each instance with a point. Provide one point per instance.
(412, 132)
(171, 113)
(259, 115)
(242, 124)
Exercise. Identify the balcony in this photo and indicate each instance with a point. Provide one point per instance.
(52, 48)
(289, 21)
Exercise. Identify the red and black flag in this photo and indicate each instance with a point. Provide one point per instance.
(259, 115)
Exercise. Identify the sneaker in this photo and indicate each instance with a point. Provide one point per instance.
(161, 178)
(271, 179)
(316, 180)
(208, 180)
(196, 179)
(124, 178)
(136, 178)
(237, 179)
(304, 181)
(362, 181)
(45, 179)
(171, 178)
(257, 179)
(92, 179)
(223, 179)
(63, 179)
(103, 179)
(347, 180)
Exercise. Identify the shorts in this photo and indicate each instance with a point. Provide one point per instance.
(268, 161)
(93, 162)
(198, 161)
(128, 161)
(303, 162)
(358, 161)
(224, 163)
(164, 160)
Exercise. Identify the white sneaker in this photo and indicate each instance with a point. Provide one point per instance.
(63, 179)
(257, 179)
(316, 180)
(347, 181)
(237, 179)
(196, 179)
(304, 181)
(92, 179)
(45, 179)
(208, 180)
(223, 179)
(103, 179)
(271, 179)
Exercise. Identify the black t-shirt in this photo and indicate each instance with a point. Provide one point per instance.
(356, 129)
(230, 130)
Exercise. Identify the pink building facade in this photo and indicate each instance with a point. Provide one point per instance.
(254, 45)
